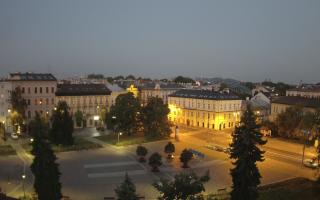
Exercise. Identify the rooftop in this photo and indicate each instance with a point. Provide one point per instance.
(298, 101)
(161, 86)
(82, 89)
(204, 94)
(31, 77)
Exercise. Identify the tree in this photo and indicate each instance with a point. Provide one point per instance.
(130, 77)
(44, 167)
(127, 190)
(185, 157)
(19, 106)
(245, 152)
(117, 78)
(124, 114)
(181, 79)
(79, 118)
(288, 121)
(62, 125)
(110, 79)
(155, 119)
(155, 162)
(169, 149)
(3, 131)
(142, 152)
(95, 76)
(184, 186)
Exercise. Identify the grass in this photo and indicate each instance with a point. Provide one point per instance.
(7, 150)
(126, 140)
(293, 189)
(79, 144)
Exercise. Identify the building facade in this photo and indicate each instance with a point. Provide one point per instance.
(115, 92)
(38, 90)
(5, 105)
(161, 90)
(90, 99)
(204, 108)
(280, 104)
(308, 92)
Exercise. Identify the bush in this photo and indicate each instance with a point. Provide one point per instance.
(141, 152)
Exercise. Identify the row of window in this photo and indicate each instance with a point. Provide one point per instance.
(41, 101)
(37, 89)
(225, 106)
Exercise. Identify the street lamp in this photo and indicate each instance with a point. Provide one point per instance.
(24, 192)
(31, 140)
(9, 110)
(119, 133)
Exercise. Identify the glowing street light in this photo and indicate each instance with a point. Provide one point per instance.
(9, 110)
(119, 133)
(31, 140)
(24, 192)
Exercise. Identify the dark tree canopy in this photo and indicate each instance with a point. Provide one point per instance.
(182, 79)
(141, 152)
(96, 76)
(184, 186)
(185, 157)
(245, 153)
(130, 77)
(44, 167)
(169, 149)
(288, 121)
(62, 125)
(124, 115)
(117, 78)
(280, 87)
(155, 161)
(78, 115)
(19, 106)
(155, 119)
(127, 190)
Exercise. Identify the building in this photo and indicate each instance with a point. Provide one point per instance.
(38, 90)
(261, 104)
(161, 90)
(205, 108)
(307, 92)
(5, 104)
(90, 99)
(280, 104)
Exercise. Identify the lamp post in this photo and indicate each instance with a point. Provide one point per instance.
(119, 133)
(24, 192)
(114, 127)
(305, 133)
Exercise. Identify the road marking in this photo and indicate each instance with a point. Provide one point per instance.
(110, 164)
(117, 174)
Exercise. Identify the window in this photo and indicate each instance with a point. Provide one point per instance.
(40, 90)
(29, 90)
(28, 102)
(35, 102)
(47, 101)
(40, 102)
(52, 89)
(29, 114)
(47, 90)
(22, 90)
(52, 101)
(35, 90)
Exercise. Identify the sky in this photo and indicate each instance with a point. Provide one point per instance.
(248, 40)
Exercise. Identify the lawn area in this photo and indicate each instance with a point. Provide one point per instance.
(294, 189)
(79, 144)
(7, 150)
(125, 140)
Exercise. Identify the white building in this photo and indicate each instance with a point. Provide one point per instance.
(5, 105)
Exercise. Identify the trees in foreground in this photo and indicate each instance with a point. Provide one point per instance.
(127, 190)
(155, 161)
(141, 152)
(245, 152)
(62, 125)
(44, 166)
(184, 186)
(185, 157)
(169, 149)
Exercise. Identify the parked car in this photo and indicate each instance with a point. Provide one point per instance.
(14, 136)
(311, 163)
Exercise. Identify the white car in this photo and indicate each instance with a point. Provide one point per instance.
(14, 136)
(312, 163)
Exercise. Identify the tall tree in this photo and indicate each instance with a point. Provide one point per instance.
(44, 167)
(182, 79)
(124, 115)
(155, 119)
(62, 125)
(288, 121)
(78, 115)
(19, 106)
(244, 150)
(127, 190)
(184, 186)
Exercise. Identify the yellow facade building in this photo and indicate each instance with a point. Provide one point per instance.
(204, 108)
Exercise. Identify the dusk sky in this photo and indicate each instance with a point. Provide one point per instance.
(246, 40)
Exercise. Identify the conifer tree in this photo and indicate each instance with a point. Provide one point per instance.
(127, 190)
(244, 150)
(44, 167)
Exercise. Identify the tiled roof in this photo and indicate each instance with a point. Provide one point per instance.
(307, 89)
(82, 89)
(204, 94)
(297, 101)
(31, 77)
(162, 86)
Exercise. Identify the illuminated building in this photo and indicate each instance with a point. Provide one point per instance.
(134, 90)
(90, 99)
(204, 108)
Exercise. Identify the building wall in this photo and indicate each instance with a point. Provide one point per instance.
(277, 108)
(213, 114)
(5, 105)
(308, 94)
(40, 96)
(89, 105)
(145, 94)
